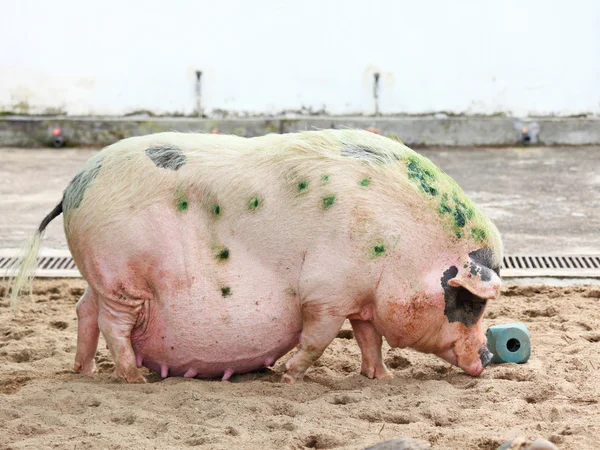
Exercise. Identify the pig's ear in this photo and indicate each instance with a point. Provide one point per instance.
(477, 279)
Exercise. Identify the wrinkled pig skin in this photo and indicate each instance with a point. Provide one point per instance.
(208, 255)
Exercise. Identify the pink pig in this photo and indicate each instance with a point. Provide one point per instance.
(208, 255)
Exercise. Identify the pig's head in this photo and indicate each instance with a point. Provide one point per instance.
(467, 287)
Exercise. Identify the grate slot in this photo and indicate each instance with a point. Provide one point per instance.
(586, 263)
(61, 263)
(558, 263)
(43, 263)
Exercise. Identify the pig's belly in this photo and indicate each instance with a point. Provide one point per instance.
(208, 336)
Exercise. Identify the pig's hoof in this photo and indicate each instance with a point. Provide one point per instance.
(85, 369)
(380, 373)
(133, 375)
(280, 368)
(288, 379)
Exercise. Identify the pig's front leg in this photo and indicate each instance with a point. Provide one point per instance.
(116, 321)
(319, 328)
(369, 341)
(87, 333)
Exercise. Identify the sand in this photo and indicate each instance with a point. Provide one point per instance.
(556, 395)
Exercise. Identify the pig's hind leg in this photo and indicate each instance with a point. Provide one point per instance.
(117, 319)
(320, 327)
(87, 332)
(369, 341)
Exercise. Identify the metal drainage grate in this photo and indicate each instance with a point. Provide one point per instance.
(60, 264)
(51, 264)
(568, 266)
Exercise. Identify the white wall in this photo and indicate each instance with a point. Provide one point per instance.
(462, 56)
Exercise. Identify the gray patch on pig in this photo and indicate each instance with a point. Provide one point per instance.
(484, 257)
(365, 153)
(478, 270)
(167, 156)
(460, 304)
(74, 192)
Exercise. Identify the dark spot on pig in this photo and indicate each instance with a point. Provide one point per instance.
(167, 156)
(450, 273)
(459, 218)
(182, 205)
(223, 254)
(325, 178)
(460, 304)
(328, 201)
(226, 291)
(485, 257)
(74, 192)
(423, 177)
(363, 152)
(254, 203)
(172, 348)
(379, 250)
(302, 186)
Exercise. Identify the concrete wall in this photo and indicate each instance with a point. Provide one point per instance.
(538, 57)
(20, 131)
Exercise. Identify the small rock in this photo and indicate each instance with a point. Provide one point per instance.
(522, 443)
(401, 443)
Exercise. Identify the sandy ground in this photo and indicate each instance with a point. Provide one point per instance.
(556, 395)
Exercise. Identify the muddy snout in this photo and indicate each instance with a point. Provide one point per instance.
(485, 356)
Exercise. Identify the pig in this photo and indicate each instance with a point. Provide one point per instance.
(207, 255)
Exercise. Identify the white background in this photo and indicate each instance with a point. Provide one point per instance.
(534, 57)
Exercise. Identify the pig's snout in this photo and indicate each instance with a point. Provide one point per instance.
(485, 356)
(476, 365)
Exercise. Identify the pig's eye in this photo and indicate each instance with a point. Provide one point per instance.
(463, 306)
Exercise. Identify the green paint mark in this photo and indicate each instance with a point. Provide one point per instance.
(226, 291)
(303, 185)
(328, 201)
(444, 208)
(478, 233)
(325, 178)
(460, 219)
(182, 205)
(223, 254)
(254, 203)
(423, 177)
(459, 234)
(365, 182)
(217, 210)
(379, 250)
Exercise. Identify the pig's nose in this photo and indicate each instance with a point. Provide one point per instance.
(485, 356)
